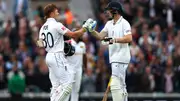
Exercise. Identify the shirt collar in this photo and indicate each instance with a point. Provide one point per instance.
(51, 19)
(119, 20)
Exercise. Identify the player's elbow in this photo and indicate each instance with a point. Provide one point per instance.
(73, 35)
(129, 38)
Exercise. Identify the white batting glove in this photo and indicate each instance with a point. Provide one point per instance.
(87, 23)
(39, 43)
(108, 40)
(92, 26)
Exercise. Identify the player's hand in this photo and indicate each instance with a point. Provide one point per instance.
(108, 40)
(87, 23)
(39, 43)
(92, 26)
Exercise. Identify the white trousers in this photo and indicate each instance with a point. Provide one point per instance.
(61, 75)
(118, 84)
(61, 93)
(76, 85)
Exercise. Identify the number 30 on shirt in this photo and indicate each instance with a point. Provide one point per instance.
(48, 40)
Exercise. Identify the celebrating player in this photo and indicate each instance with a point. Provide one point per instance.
(51, 38)
(78, 61)
(117, 33)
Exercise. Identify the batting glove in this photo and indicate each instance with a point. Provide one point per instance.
(108, 40)
(92, 26)
(87, 23)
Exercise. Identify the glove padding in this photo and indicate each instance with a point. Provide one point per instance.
(90, 25)
(69, 50)
(87, 23)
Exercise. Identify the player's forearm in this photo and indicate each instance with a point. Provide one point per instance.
(125, 39)
(107, 89)
(78, 33)
(97, 35)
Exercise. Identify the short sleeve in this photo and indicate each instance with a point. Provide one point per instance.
(61, 28)
(40, 33)
(126, 28)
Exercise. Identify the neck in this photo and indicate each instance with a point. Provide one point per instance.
(76, 40)
(116, 18)
(50, 18)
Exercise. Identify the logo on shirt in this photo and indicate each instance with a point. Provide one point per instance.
(63, 28)
(81, 46)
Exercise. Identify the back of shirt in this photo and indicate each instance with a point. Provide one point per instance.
(52, 35)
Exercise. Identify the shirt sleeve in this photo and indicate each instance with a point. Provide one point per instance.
(126, 28)
(61, 28)
(40, 34)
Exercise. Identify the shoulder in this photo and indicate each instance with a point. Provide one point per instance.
(109, 22)
(125, 21)
(41, 29)
(60, 25)
(82, 43)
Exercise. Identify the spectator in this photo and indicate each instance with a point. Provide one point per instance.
(30, 72)
(139, 19)
(157, 70)
(100, 72)
(68, 17)
(88, 81)
(150, 77)
(3, 81)
(145, 39)
(7, 48)
(132, 78)
(2, 60)
(145, 85)
(22, 51)
(43, 76)
(16, 83)
(20, 9)
(176, 15)
(141, 62)
(13, 59)
(169, 78)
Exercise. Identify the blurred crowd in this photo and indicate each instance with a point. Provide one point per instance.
(155, 50)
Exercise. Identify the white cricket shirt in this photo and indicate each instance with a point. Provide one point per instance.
(77, 59)
(118, 52)
(52, 35)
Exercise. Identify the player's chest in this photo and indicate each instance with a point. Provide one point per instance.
(78, 48)
(115, 30)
